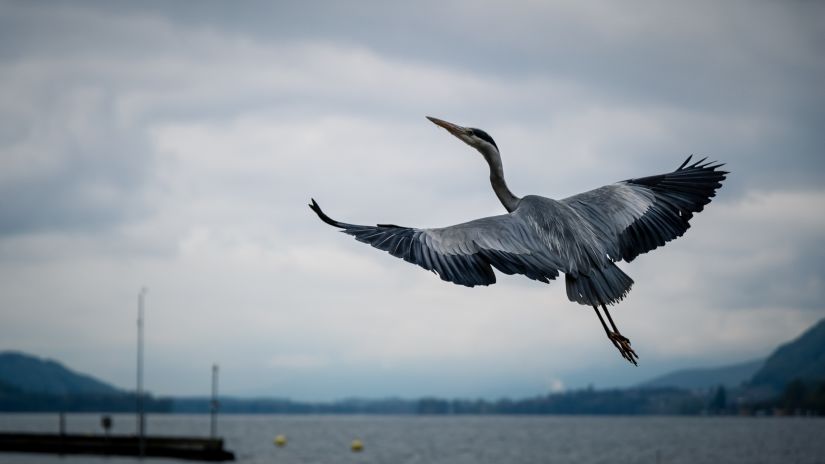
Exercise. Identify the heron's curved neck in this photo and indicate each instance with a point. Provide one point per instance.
(503, 193)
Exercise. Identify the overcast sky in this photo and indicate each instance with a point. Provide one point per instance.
(176, 144)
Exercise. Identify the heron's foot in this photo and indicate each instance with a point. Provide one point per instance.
(622, 344)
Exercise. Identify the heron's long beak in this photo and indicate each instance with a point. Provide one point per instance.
(451, 128)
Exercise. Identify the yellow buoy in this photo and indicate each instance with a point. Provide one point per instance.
(280, 441)
(357, 446)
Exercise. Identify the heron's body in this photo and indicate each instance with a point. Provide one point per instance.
(582, 236)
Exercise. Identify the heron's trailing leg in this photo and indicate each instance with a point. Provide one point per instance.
(621, 342)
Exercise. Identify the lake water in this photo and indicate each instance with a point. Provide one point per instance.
(465, 439)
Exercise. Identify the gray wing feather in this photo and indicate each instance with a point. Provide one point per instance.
(638, 215)
(464, 254)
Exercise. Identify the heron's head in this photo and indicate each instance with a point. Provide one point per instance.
(475, 138)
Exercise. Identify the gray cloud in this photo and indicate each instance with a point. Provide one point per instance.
(90, 173)
(176, 147)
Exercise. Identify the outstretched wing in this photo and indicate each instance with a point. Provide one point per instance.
(465, 253)
(635, 216)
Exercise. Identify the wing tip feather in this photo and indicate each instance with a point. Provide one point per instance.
(314, 206)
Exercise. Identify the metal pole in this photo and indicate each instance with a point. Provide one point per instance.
(213, 426)
(141, 413)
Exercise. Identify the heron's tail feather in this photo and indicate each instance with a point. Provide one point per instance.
(604, 286)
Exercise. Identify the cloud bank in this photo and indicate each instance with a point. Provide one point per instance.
(176, 147)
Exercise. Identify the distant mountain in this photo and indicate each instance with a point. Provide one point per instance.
(29, 374)
(706, 378)
(8, 390)
(802, 358)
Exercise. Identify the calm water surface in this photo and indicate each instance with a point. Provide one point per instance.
(465, 439)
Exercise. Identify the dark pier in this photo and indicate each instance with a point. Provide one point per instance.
(198, 449)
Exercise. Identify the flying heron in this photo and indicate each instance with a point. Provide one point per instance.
(582, 236)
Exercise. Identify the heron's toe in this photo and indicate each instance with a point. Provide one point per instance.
(622, 343)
